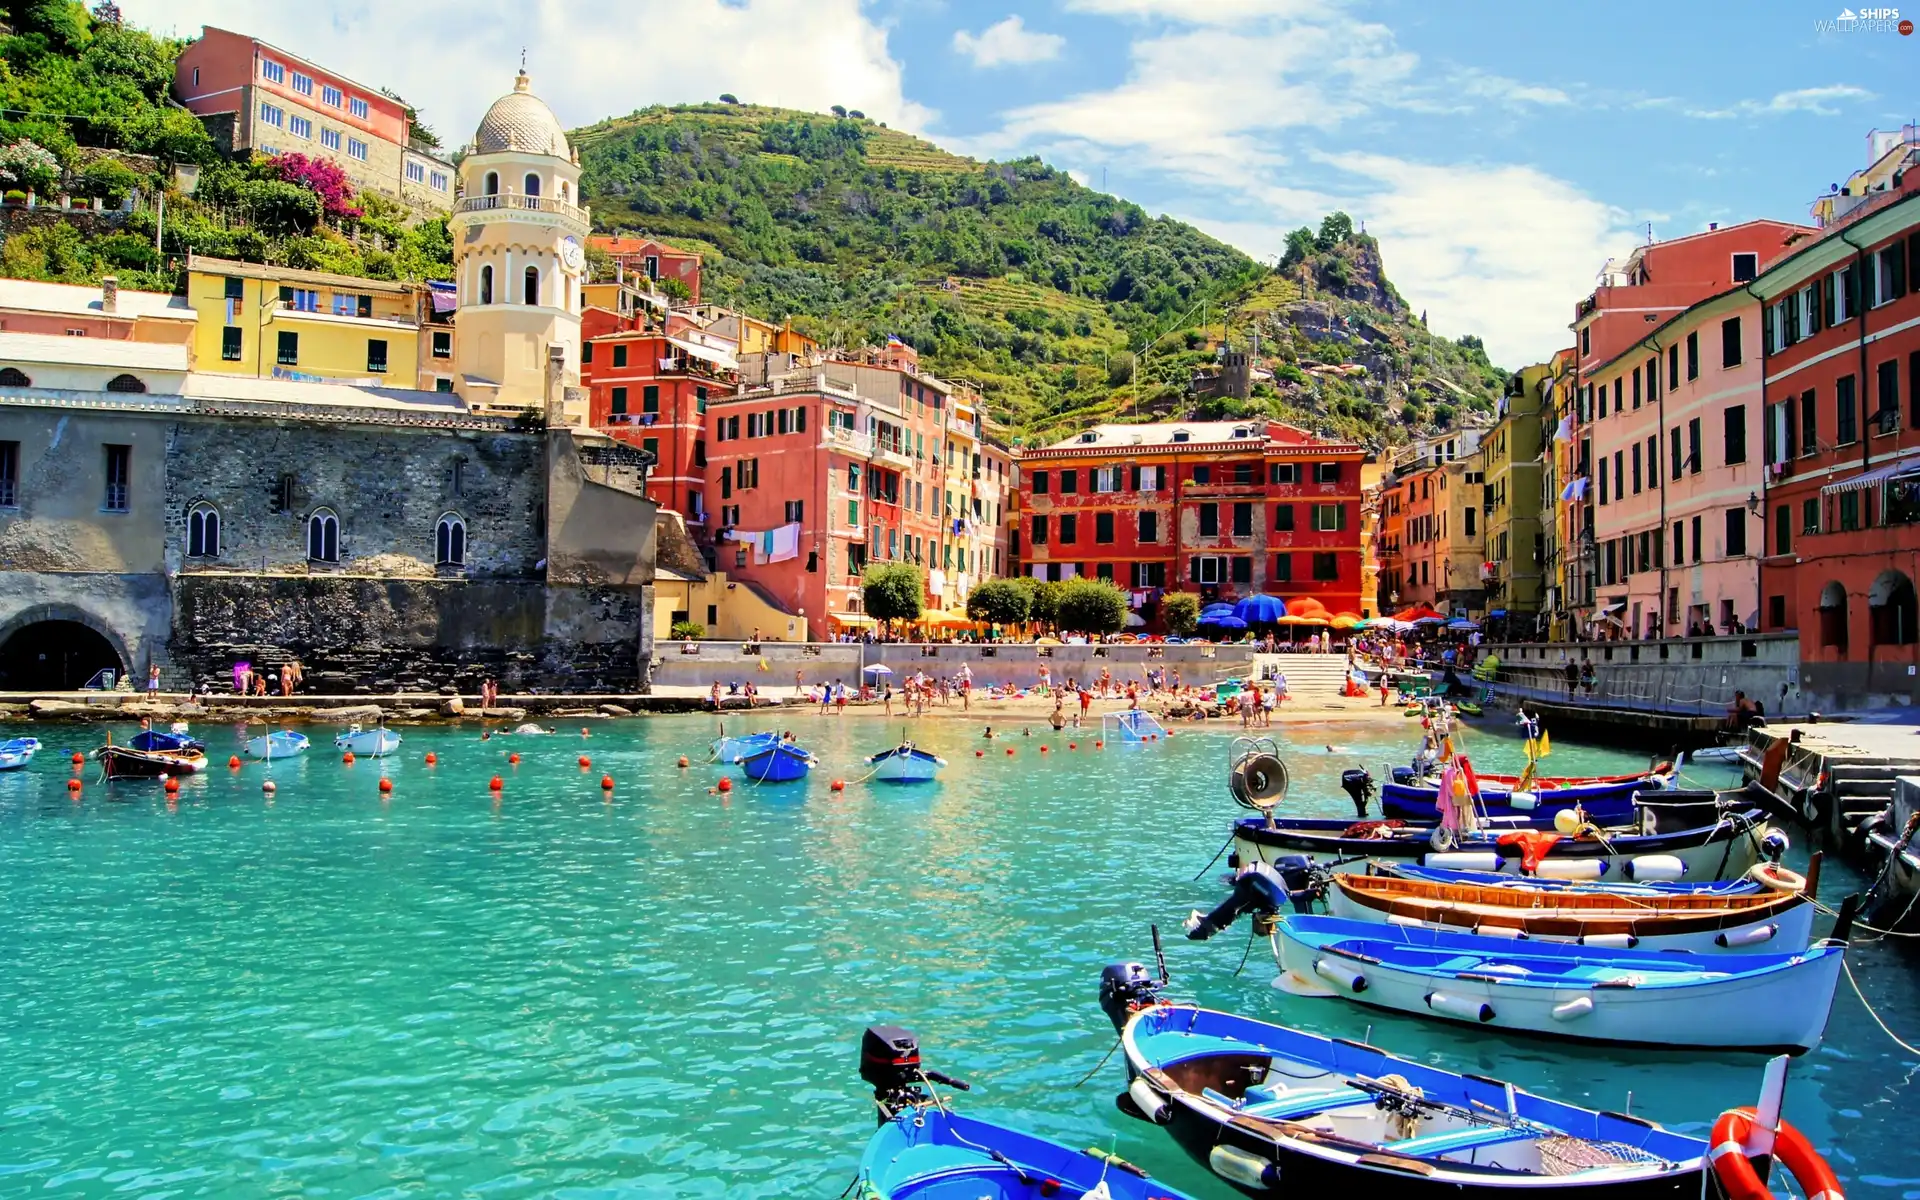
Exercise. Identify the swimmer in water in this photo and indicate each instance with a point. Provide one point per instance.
(987, 732)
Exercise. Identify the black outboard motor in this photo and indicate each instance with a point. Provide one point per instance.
(1358, 784)
(1262, 890)
(890, 1061)
(1125, 989)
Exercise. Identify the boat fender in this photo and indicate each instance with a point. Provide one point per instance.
(1410, 922)
(1510, 932)
(1791, 1147)
(1579, 1006)
(1746, 937)
(1239, 1167)
(1460, 1006)
(1610, 941)
(1523, 800)
(1655, 868)
(1776, 878)
(1463, 861)
(1339, 975)
(1570, 868)
(1149, 1102)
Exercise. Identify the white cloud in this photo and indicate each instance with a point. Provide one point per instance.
(1007, 43)
(452, 58)
(1818, 101)
(1511, 91)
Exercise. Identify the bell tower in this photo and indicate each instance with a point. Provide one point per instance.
(519, 256)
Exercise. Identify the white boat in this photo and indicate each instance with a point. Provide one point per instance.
(1777, 1003)
(905, 763)
(17, 752)
(283, 743)
(368, 743)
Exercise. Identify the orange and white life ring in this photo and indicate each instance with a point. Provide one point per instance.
(1790, 1146)
(1776, 878)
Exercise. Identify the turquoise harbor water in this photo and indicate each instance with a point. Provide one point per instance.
(443, 993)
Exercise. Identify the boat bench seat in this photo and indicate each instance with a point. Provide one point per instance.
(1288, 1106)
(1453, 1141)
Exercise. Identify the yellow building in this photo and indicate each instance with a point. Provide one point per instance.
(1560, 466)
(1516, 545)
(1460, 546)
(280, 323)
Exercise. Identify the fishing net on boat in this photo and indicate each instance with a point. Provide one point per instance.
(1561, 1155)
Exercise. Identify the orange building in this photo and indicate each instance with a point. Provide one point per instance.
(639, 256)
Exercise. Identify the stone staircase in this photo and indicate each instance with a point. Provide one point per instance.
(1317, 675)
(1860, 789)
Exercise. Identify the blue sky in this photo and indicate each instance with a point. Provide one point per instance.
(1499, 151)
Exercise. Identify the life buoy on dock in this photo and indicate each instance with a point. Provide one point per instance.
(1735, 1169)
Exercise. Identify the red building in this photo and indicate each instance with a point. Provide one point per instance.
(1842, 446)
(1223, 508)
(657, 261)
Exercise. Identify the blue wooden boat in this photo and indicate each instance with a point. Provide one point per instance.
(779, 762)
(1408, 796)
(925, 1151)
(176, 740)
(1264, 1106)
(727, 749)
(367, 743)
(283, 743)
(905, 763)
(17, 752)
(1777, 1003)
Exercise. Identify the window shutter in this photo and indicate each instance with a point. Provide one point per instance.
(1853, 291)
(1134, 478)
(1826, 293)
(1898, 262)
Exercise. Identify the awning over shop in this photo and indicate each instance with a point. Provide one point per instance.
(1906, 465)
(858, 620)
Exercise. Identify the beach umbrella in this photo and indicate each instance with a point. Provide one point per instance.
(1214, 618)
(1462, 623)
(1216, 610)
(1228, 622)
(1433, 620)
(1261, 609)
(878, 669)
(1135, 620)
(1348, 621)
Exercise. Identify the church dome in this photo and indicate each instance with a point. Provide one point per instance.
(520, 121)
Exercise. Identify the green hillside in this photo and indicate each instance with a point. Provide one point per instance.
(1013, 276)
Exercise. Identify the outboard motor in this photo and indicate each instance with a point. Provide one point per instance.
(890, 1061)
(1125, 989)
(1262, 890)
(1358, 784)
(1774, 845)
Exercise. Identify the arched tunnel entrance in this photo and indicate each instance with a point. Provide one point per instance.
(55, 656)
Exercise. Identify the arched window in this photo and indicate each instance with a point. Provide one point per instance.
(125, 383)
(486, 285)
(1833, 616)
(532, 187)
(491, 186)
(563, 192)
(450, 541)
(203, 531)
(323, 536)
(530, 287)
(14, 377)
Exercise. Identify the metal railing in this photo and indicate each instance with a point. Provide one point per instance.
(515, 202)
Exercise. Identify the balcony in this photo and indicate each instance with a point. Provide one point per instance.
(633, 419)
(837, 437)
(513, 204)
(295, 310)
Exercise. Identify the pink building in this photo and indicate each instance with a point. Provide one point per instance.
(1678, 473)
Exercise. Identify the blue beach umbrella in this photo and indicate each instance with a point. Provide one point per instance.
(1228, 622)
(1260, 609)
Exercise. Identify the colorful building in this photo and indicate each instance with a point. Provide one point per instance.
(1841, 447)
(280, 323)
(652, 391)
(1513, 571)
(259, 98)
(106, 311)
(656, 261)
(1223, 508)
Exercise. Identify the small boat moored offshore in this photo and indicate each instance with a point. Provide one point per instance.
(18, 752)
(1777, 1003)
(282, 743)
(368, 743)
(174, 739)
(925, 1151)
(905, 763)
(725, 749)
(777, 762)
(1266, 1107)
(125, 762)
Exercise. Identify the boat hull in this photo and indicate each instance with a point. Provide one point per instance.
(17, 753)
(929, 1154)
(1603, 802)
(1774, 1004)
(905, 766)
(368, 743)
(1180, 1056)
(277, 745)
(777, 764)
(121, 762)
(729, 749)
(1727, 850)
